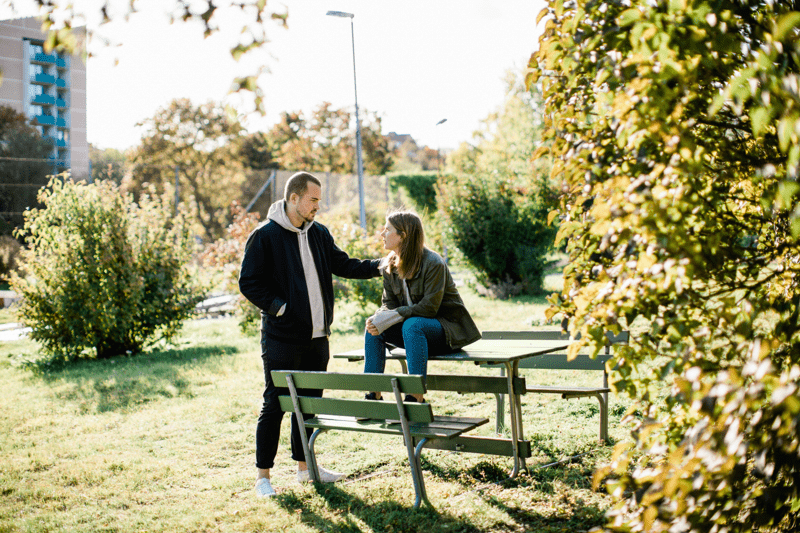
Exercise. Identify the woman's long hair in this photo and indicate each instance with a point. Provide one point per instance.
(409, 227)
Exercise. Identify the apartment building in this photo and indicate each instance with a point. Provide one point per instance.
(49, 88)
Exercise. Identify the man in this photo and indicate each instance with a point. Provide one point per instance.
(286, 272)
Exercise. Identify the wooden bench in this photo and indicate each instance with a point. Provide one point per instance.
(560, 361)
(551, 361)
(415, 422)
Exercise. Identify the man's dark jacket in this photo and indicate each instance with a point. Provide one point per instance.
(272, 274)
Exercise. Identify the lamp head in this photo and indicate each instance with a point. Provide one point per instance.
(340, 14)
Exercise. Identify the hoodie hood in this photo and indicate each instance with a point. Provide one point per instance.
(277, 212)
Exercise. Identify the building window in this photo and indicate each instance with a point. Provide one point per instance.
(35, 90)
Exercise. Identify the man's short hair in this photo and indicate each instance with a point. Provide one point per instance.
(298, 184)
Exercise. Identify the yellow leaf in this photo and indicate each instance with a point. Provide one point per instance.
(628, 17)
(551, 216)
(542, 14)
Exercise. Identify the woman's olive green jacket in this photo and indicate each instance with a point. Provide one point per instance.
(433, 295)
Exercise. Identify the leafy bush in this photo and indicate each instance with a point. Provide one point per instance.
(420, 189)
(674, 126)
(348, 235)
(225, 255)
(502, 231)
(102, 275)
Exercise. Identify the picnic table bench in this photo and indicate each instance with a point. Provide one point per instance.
(545, 360)
(415, 422)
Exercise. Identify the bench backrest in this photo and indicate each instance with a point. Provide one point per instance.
(558, 361)
(376, 410)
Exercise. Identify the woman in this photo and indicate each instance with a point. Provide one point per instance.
(421, 309)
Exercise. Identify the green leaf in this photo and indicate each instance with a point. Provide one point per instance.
(628, 17)
(759, 118)
(786, 23)
(786, 191)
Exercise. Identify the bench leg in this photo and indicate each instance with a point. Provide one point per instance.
(311, 456)
(500, 418)
(603, 417)
(413, 460)
(422, 494)
(311, 461)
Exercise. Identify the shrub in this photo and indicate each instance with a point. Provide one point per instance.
(501, 229)
(348, 235)
(9, 251)
(103, 275)
(419, 187)
(225, 256)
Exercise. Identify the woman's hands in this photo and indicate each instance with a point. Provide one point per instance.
(371, 329)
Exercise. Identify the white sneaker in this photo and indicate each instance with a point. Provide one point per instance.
(326, 476)
(264, 488)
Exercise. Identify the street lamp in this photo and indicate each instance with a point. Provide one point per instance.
(362, 213)
(439, 150)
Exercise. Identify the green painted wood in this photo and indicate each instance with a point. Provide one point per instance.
(560, 361)
(473, 384)
(415, 412)
(430, 431)
(548, 335)
(570, 391)
(487, 445)
(350, 381)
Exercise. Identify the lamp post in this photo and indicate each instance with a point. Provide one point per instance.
(439, 151)
(362, 211)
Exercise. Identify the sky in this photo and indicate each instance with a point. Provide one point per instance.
(417, 62)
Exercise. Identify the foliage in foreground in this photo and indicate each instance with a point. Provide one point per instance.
(102, 275)
(675, 128)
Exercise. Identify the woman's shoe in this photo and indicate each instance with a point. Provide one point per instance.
(371, 396)
(410, 398)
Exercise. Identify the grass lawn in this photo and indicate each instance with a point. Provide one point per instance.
(164, 442)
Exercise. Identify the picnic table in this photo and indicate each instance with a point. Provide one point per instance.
(507, 353)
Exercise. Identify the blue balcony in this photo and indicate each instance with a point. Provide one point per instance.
(60, 62)
(44, 99)
(61, 143)
(61, 102)
(41, 77)
(50, 59)
(47, 120)
(60, 82)
(61, 123)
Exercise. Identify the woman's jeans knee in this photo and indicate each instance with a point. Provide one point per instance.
(419, 336)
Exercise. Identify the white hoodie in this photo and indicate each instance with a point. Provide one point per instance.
(277, 212)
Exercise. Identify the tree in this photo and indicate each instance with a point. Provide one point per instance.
(326, 143)
(199, 144)
(60, 17)
(497, 204)
(107, 164)
(674, 126)
(257, 151)
(24, 164)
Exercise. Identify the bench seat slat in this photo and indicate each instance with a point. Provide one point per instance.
(439, 429)
(415, 412)
(569, 390)
(471, 384)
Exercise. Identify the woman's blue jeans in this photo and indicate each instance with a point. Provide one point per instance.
(419, 336)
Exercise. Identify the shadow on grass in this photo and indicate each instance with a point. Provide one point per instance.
(120, 383)
(358, 515)
(380, 516)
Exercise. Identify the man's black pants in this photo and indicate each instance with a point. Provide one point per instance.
(277, 355)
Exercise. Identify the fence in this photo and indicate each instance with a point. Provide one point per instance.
(338, 190)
